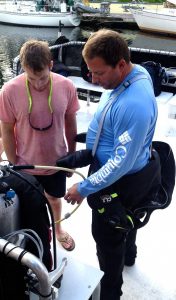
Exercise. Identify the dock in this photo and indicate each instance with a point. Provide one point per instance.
(111, 18)
(115, 14)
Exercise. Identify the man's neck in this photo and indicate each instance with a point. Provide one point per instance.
(127, 70)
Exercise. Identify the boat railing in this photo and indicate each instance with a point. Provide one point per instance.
(72, 43)
(38, 6)
(159, 52)
(69, 54)
(134, 4)
(20, 6)
(41, 282)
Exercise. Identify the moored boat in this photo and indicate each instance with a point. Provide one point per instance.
(161, 21)
(43, 15)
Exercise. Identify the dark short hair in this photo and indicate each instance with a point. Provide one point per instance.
(108, 45)
(35, 55)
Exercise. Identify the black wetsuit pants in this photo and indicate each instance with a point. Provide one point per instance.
(111, 242)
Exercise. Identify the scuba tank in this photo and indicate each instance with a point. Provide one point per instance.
(11, 273)
(9, 210)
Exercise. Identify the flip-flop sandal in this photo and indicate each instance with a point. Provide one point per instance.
(66, 239)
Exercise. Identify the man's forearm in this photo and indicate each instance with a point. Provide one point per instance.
(71, 144)
(10, 150)
(70, 133)
(9, 143)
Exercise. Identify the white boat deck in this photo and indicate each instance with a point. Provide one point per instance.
(80, 280)
(153, 275)
(80, 83)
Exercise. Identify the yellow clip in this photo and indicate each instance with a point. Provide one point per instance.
(101, 210)
(114, 195)
(130, 219)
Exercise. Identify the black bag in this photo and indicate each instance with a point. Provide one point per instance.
(163, 197)
(158, 75)
(60, 68)
(167, 162)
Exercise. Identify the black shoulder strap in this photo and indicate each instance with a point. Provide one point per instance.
(124, 86)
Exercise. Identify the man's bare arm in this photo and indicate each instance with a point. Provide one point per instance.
(8, 139)
(71, 131)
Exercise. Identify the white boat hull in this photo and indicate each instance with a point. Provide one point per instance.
(43, 19)
(161, 21)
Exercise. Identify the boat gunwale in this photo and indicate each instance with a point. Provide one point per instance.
(39, 14)
(154, 14)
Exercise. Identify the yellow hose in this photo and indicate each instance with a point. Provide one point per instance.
(67, 215)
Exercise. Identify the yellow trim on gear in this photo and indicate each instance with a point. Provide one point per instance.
(101, 210)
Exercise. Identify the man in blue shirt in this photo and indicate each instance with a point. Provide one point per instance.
(126, 168)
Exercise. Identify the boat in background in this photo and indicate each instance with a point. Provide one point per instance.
(83, 8)
(42, 13)
(160, 20)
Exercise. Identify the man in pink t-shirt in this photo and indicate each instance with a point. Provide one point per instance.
(38, 119)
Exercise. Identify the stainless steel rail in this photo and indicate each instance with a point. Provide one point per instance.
(45, 279)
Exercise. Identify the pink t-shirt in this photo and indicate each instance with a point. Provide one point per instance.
(38, 147)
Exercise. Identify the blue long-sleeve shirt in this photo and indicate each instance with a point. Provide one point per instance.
(126, 136)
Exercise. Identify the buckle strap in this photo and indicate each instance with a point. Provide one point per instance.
(125, 85)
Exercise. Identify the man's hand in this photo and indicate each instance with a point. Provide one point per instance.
(72, 196)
